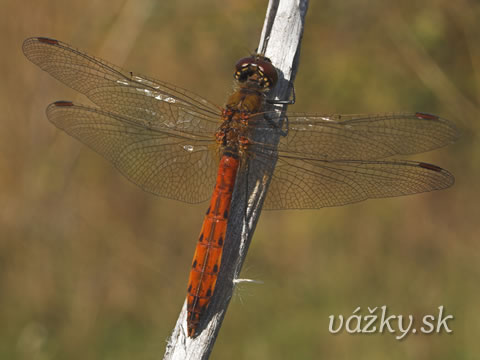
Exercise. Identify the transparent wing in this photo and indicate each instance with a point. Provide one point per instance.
(158, 135)
(168, 163)
(149, 102)
(310, 184)
(364, 137)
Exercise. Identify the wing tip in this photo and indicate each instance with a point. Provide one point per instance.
(30, 44)
(450, 179)
(455, 132)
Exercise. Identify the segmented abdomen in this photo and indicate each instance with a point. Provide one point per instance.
(208, 253)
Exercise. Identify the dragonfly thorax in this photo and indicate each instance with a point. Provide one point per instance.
(233, 134)
(255, 76)
(242, 107)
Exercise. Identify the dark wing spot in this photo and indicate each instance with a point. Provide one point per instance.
(215, 268)
(201, 237)
(194, 265)
(225, 214)
(63, 103)
(189, 288)
(426, 116)
(430, 167)
(48, 41)
(208, 211)
(209, 292)
(220, 241)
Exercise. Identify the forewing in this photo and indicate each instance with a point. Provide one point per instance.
(149, 102)
(364, 137)
(163, 162)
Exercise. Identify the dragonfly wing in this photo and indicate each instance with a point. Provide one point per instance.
(164, 162)
(150, 102)
(364, 137)
(310, 184)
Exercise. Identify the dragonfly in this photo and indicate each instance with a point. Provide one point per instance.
(178, 145)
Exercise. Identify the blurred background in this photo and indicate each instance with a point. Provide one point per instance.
(91, 267)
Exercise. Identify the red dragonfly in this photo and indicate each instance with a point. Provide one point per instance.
(170, 141)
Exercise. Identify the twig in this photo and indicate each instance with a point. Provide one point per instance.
(280, 41)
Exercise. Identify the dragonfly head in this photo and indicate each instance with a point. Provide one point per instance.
(256, 70)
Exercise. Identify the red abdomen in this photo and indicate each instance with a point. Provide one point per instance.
(208, 253)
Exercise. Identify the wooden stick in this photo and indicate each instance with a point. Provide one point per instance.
(280, 41)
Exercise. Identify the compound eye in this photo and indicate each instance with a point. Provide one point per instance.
(268, 70)
(244, 63)
(261, 65)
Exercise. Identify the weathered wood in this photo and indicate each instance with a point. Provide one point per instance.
(280, 41)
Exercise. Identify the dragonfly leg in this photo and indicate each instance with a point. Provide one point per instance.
(284, 102)
(274, 124)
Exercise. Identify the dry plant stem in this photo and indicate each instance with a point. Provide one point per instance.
(280, 41)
